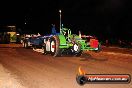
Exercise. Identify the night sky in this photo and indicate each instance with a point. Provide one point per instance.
(103, 18)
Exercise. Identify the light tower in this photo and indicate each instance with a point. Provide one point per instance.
(60, 20)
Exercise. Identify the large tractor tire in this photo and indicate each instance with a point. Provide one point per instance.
(77, 49)
(54, 46)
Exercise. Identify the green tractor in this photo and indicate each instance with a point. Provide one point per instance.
(68, 43)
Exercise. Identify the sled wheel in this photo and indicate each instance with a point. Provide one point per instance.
(44, 49)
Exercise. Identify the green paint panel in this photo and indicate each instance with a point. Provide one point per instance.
(62, 40)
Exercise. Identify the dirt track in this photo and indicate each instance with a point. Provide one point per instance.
(34, 70)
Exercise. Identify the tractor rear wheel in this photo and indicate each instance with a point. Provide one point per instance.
(54, 46)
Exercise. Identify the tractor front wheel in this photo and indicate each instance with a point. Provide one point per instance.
(77, 49)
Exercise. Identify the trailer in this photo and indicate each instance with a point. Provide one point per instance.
(31, 40)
